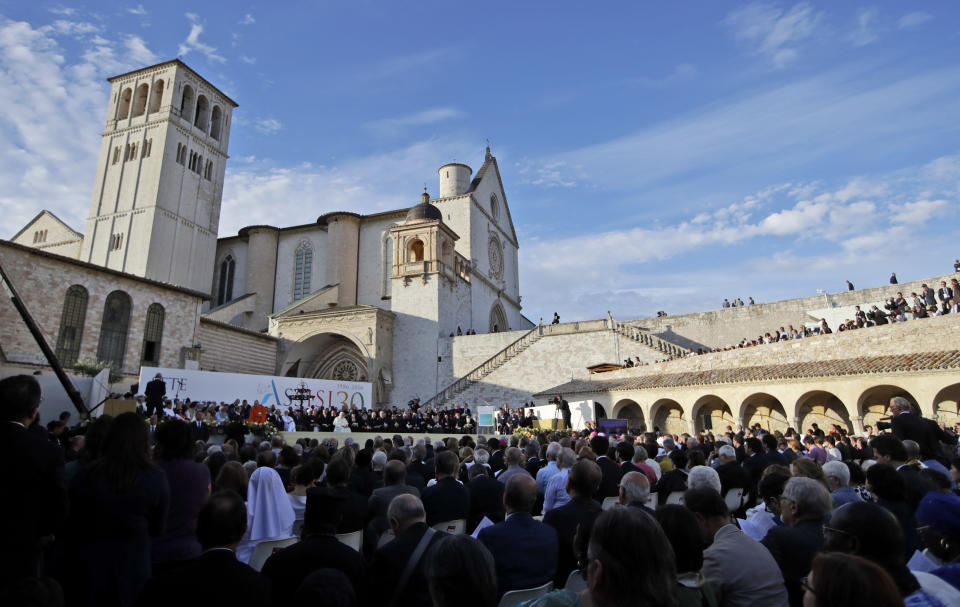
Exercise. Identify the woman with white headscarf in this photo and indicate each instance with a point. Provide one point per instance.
(269, 513)
(289, 425)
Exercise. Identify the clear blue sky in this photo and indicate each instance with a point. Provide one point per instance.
(654, 157)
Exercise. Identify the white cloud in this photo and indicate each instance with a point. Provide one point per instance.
(72, 28)
(396, 125)
(138, 51)
(918, 212)
(63, 10)
(865, 31)
(914, 19)
(139, 10)
(247, 60)
(192, 43)
(268, 126)
(772, 32)
(247, 20)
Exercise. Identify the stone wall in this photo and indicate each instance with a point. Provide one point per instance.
(229, 349)
(924, 335)
(728, 326)
(42, 280)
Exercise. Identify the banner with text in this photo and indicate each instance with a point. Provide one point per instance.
(269, 390)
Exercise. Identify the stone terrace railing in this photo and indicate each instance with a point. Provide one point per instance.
(650, 340)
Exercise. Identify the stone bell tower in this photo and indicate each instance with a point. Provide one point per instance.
(156, 202)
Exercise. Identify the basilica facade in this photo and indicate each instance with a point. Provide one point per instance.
(350, 296)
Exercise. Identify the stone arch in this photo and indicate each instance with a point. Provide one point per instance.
(631, 411)
(202, 118)
(764, 409)
(325, 355)
(711, 412)
(216, 118)
(873, 402)
(946, 405)
(156, 96)
(415, 250)
(667, 415)
(123, 109)
(186, 102)
(822, 408)
(498, 318)
(140, 99)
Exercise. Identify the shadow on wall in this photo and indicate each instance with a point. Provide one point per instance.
(668, 334)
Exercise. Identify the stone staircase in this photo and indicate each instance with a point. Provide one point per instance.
(516, 348)
(486, 367)
(641, 335)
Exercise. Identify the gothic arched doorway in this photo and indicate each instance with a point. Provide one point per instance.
(498, 319)
(327, 356)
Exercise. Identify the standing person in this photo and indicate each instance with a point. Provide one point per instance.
(155, 391)
(564, 407)
(849, 286)
(893, 278)
(34, 501)
(117, 505)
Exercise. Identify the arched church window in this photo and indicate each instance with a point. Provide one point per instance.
(494, 206)
(186, 102)
(203, 109)
(152, 335)
(114, 329)
(495, 253)
(140, 100)
(215, 120)
(415, 251)
(123, 111)
(156, 97)
(225, 289)
(302, 271)
(71, 325)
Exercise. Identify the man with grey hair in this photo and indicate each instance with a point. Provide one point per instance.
(909, 425)
(635, 491)
(546, 473)
(838, 477)
(703, 477)
(556, 493)
(732, 475)
(513, 459)
(407, 518)
(804, 506)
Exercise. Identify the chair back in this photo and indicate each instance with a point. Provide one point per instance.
(515, 597)
(610, 503)
(576, 582)
(455, 527)
(386, 537)
(675, 497)
(652, 500)
(734, 498)
(263, 550)
(353, 539)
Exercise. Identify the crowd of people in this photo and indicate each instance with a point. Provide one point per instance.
(131, 515)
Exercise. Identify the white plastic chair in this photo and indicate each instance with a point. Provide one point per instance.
(675, 498)
(610, 502)
(652, 500)
(455, 527)
(354, 539)
(515, 597)
(575, 582)
(734, 498)
(263, 550)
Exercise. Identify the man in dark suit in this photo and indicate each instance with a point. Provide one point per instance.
(535, 563)
(319, 548)
(609, 485)
(579, 512)
(564, 407)
(215, 577)
(363, 479)
(771, 455)
(906, 425)
(754, 464)
(420, 465)
(447, 500)
(394, 481)
(408, 521)
(155, 390)
(354, 513)
(534, 463)
(201, 430)
(732, 475)
(35, 499)
(496, 455)
(486, 497)
(804, 506)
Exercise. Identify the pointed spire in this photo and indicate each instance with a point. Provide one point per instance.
(488, 155)
(425, 197)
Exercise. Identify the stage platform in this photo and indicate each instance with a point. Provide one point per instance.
(361, 437)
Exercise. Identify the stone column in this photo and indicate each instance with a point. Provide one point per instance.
(857, 422)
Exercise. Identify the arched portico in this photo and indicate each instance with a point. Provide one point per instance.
(629, 410)
(764, 409)
(668, 416)
(822, 408)
(328, 355)
(710, 412)
(874, 401)
(946, 405)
